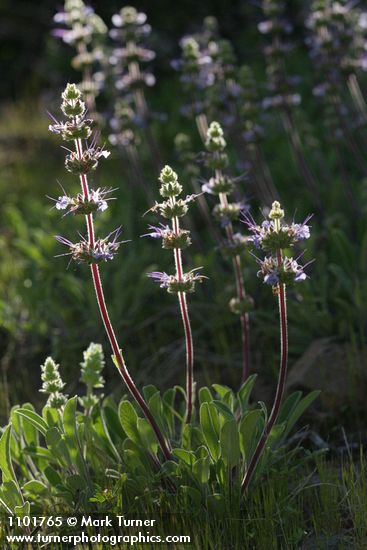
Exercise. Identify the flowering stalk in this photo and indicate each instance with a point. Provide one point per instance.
(278, 271)
(93, 251)
(85, 30)
(130, 28)
(227, 212)
(174, 238)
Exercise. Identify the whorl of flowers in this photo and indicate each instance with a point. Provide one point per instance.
(102, 250)
(75, 128)
(275, 238)
(52, 384)
(173, 237)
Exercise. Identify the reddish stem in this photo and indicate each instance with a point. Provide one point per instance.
(187, 329)
(280, 386)
(109, 328)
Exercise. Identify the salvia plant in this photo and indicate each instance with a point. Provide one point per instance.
(88, 452)
(92, 250)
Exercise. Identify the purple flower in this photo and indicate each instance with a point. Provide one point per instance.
(160, 277)
(62, 202)
(271, 278)
(157, 232)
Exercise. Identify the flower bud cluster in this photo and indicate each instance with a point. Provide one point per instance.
(91, 369)
(52, 384)
(77, 126)
(275, 238)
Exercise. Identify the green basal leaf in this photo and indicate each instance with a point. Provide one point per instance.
(230, 443)
(187, 457)
(209, 421)
(35, 488)
(169, 410)
(201, 469)
(299, 410)
(129, 420)
(221, 390)
(149, 391)
(6, 466)
(156, 408)
(56, 444)
(205, 395)
(288, 406)
(10, 495)
(33, 418)
(52, 476)
(51, 416)
(251, 427)
(15, 420)
(113, 422)
(224, 410)
(244, 393)
(23, 510)
(102, 411)
(29, 431)
(69, 421)
(147, 436)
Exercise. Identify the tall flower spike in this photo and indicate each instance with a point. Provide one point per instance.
(176, 239)
(277, 270)
(94, 250)
(221, 185)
